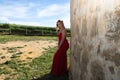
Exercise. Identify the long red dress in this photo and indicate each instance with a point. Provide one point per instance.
(59, 66)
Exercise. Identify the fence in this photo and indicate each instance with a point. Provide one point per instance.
(28, 30)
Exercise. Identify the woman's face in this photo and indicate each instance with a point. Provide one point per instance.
(59, 25)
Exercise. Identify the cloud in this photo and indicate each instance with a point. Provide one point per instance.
(33, 13)
(31, 23)
(4, 19)
(54, 10)
(66, 20)
(15, 10)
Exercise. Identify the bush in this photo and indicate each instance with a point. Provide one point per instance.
(29, 30)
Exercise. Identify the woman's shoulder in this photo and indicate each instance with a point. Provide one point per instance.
(64, 30)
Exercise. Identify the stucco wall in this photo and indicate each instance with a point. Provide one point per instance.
(95, 40)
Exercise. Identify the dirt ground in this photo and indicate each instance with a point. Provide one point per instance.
(30, 49)
(27, 51)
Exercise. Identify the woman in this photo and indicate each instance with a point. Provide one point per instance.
(59, 66)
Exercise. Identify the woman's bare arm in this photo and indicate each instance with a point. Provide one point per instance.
(63, 37)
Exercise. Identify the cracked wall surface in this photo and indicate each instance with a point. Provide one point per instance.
(95, 40)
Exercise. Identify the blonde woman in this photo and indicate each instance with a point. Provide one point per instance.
(59, 66)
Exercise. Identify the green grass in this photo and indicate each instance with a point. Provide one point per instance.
(20, 47)
(6, 38)
(19, 52)
(42, 66)
(4, 71)
(29, 58)
(15, 56)
(39, 68)
(3, 57)
(29, 52)
(12, 50)
(1, 53)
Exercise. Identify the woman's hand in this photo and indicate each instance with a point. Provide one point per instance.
(59, 45)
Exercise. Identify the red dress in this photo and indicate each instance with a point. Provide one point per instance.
(59, 66)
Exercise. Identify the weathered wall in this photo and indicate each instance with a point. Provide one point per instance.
(95, 40)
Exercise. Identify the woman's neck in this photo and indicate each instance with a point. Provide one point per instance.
(62, 29)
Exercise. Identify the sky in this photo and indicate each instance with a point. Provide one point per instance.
(35, 12)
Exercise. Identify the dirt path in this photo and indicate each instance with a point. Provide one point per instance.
(31, 49)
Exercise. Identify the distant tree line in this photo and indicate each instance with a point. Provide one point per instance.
(14, 29)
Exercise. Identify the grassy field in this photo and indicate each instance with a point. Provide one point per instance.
(6, 38)
(38, 69)
(16, 29)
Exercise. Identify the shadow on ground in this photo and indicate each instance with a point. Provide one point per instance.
(50, 77)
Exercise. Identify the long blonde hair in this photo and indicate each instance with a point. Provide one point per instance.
(61, 21)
